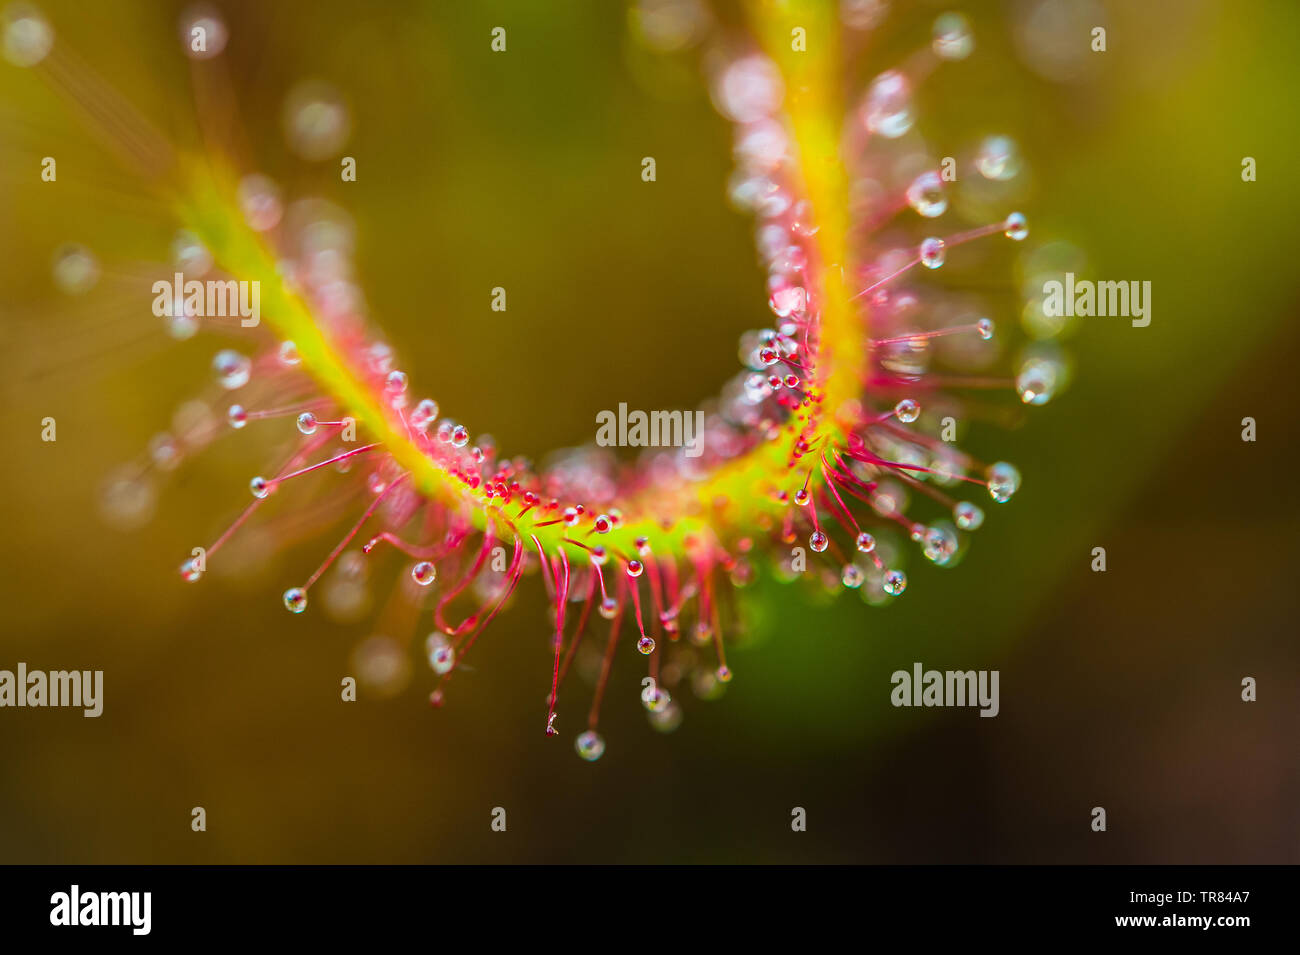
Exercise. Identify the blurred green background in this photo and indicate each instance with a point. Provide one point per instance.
(522, 170)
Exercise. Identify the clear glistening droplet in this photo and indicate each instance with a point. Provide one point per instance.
(28, 36)
(887, 110)
(968, 516)
(1004, 481)
(998, 158)
(259, 200)
(295, 600)
(907, 410)
(952, 39)
(1016, 227)
(590, 745)
(316, 120)
(925, 195)
(441, 654)
(76, 269)
(232, 369)
(1036, 382)
(939, 545)
(932, 252)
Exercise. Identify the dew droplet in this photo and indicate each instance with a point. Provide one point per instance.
(307, 423)
(28, 35)
(1036, 382)
(653, 698)
(818, 541)
(894, 583)
(887, 110)
(424, 573)
(203, 33)
(396, 383)
(127, 500)
(590, 745)
(295, 600)
(261, 487)
(441, 654)
(851, 576)
(702, 633)
(645, 646)
(863, 14)
(608, 608)
(189, 255)
(381, 665)
(933, 252)
(925, 195)
(907, 411)
(316, 120)
(802, 497)
(634, 568)
(723, 673)
(232, 369)
(756, 388)
(952, 39)
(667, 718)
(288, 354)
(940, 544)
(749, 89)
(76, 269)
(866, 543)
(706, 685)
(1016, 227)
(190, 570)
(968, 516)
(788, 300)
(259, 200)
(164, 452)
(459, 436)
(802, 222)
(985, 328)
(424, 413)
(1004, 481)
(998, 158)
(182, 325)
